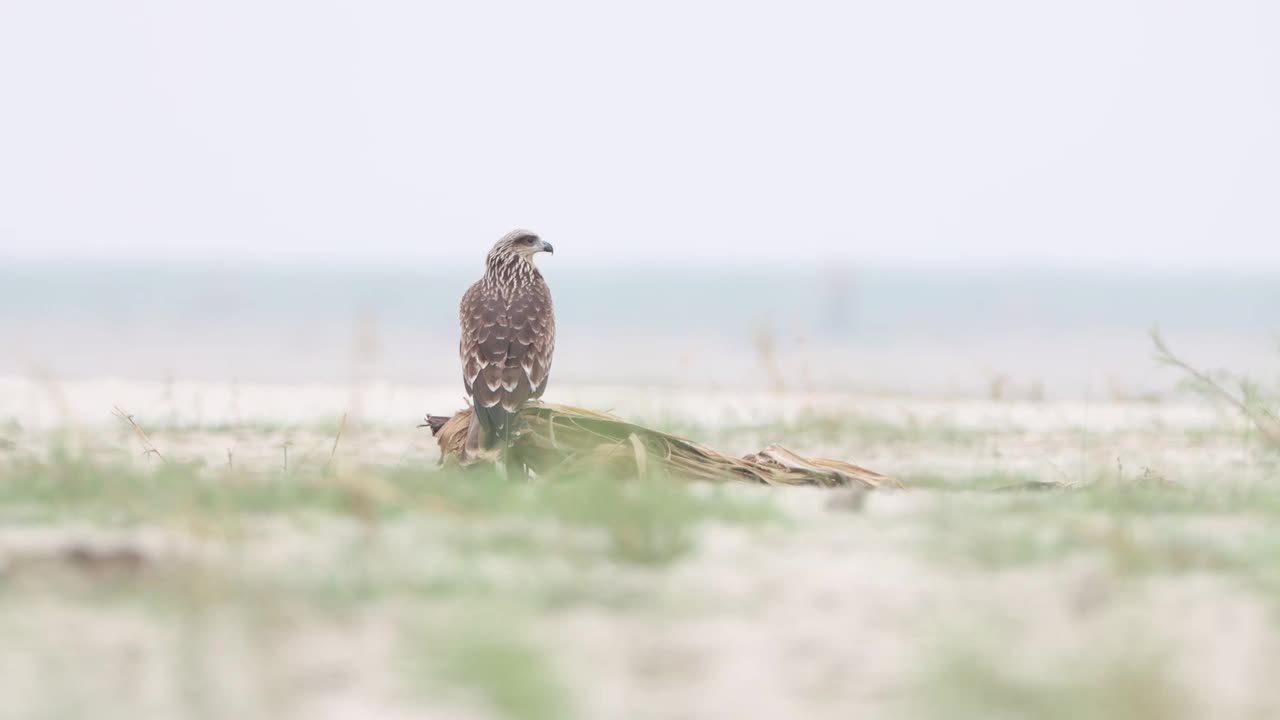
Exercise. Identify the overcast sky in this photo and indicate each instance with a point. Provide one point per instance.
(904, 132)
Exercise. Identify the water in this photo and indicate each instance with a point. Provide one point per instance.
(891, 329)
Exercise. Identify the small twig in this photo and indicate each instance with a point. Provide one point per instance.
(1261, 417)
(328, 466)
(285, 446)
(1069, 482)
(148, 448)
(1165, 355)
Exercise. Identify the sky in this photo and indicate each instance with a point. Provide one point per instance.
(1094, 133)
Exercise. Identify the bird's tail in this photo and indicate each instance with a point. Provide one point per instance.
(489, 438)
(490, 431)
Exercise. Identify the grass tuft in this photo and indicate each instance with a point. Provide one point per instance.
(486, 656)
(1129, 686)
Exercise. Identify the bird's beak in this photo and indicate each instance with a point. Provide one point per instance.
(548, 247)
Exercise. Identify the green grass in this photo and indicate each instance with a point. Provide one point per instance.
(402, 544)
(1132, 530)
(486, 655)
(643, 516)
(1127, 548)
(960, 684)
(977, 482)
(821, 428)
(467, 521)
(473, 519)
(319, 426)
(471, 572)
(862, 430)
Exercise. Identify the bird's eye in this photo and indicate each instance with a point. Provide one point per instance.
(527, 239)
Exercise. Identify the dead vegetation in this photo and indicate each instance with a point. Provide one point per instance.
(558, 439)
(1237, 392)
(148, 448)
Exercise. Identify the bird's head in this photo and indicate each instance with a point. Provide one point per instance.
(518, 244)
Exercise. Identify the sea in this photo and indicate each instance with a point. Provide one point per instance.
(1028, 333)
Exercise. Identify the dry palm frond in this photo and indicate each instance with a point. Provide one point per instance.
(560, 438)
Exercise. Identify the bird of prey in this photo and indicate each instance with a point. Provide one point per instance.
(508, 337)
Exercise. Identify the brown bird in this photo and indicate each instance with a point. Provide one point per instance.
(508, 337)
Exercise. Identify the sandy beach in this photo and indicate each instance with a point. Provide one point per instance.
(1148, 585)
(827, 360)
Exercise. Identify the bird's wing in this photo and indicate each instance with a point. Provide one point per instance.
(470, 316)
(542, 323)
(506, 346)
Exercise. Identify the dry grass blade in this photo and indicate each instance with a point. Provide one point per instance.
(148, 448)
(642, 462)
(561, 438)
(328, 466)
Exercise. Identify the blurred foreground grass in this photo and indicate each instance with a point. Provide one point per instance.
(453, 565)
(1141, 570)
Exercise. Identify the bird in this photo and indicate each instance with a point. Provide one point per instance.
(507, 341)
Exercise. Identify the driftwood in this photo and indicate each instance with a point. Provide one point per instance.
(555, 439)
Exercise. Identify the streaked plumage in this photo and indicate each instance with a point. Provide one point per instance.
(508, 338)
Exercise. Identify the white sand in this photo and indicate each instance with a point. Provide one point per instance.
(836, 615)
